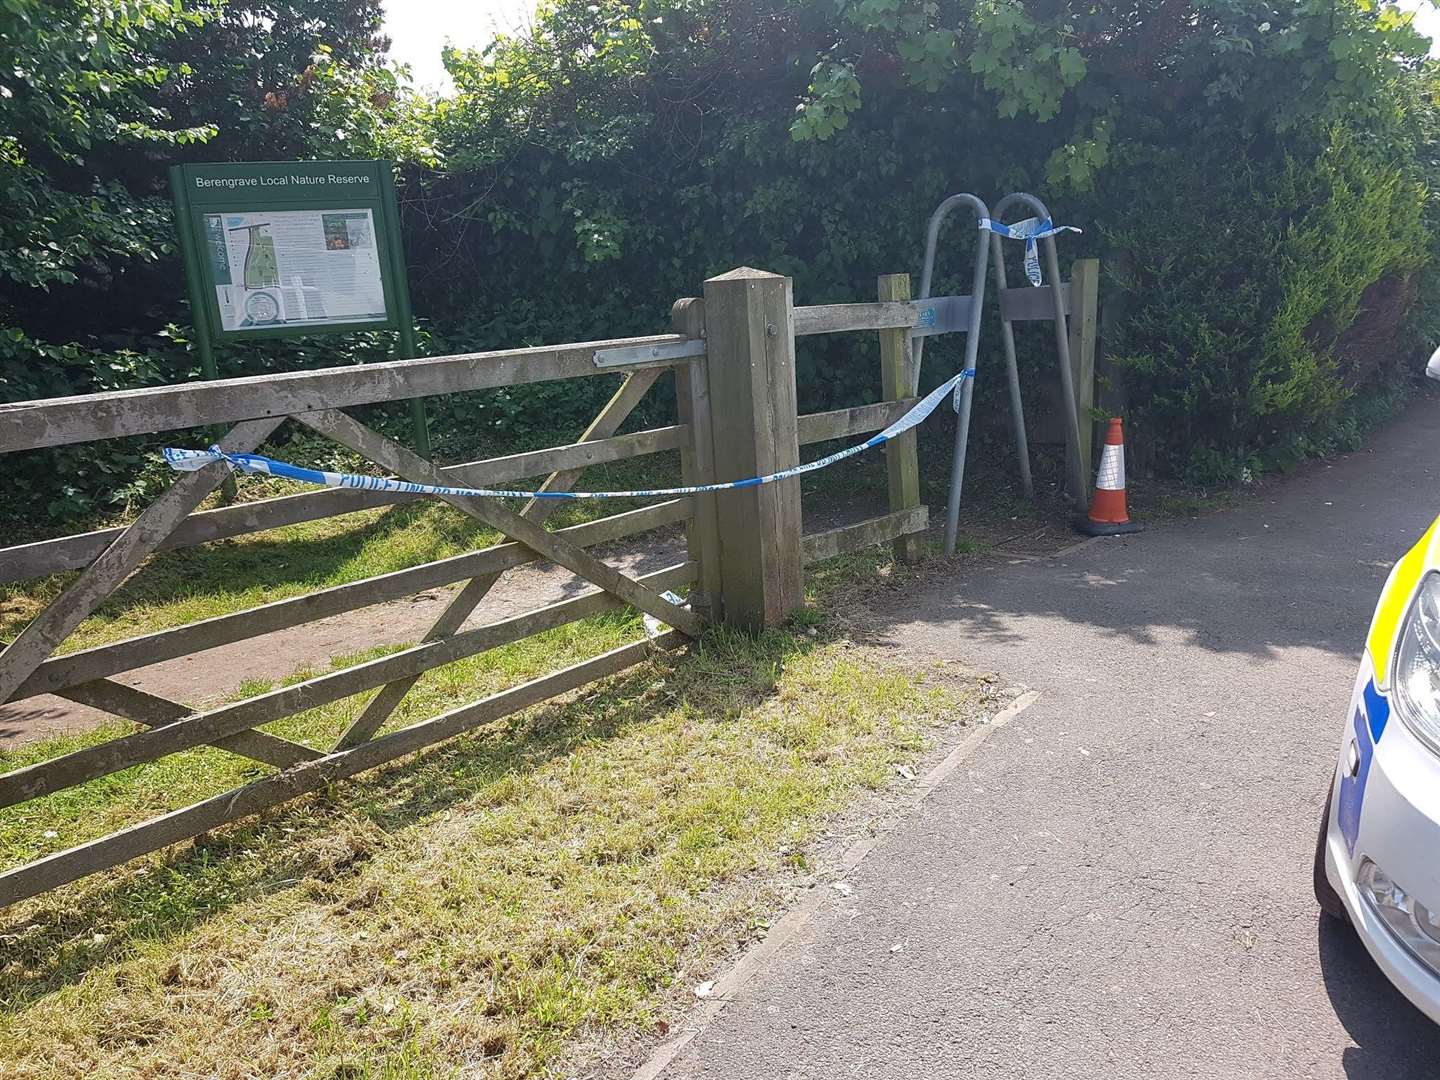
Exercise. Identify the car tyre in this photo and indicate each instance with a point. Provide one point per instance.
(1325, 895)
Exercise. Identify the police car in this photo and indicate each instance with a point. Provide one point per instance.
(1377, 861)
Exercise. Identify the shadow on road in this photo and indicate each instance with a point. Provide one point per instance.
(1394, 1040)
(1298, 565)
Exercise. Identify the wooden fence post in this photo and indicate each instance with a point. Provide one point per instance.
(1084, 319)
(697, 465)
(750, 371)
(896, 379)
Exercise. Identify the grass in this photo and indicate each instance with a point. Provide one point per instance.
(1172, 503)
(177, 587)
(491, 904)
(489, 907)
(482, 909)
(71, 816)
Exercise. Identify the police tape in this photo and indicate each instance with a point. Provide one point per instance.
(258, 464)
(1029, 230)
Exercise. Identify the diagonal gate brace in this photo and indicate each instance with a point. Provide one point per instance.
(125, 553)
(389, 454)
(383, 704)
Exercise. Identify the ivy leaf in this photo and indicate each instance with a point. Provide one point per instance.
(1072, 66)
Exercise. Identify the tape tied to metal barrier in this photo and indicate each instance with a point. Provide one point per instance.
(1030, 230)
(257, 464)
(968, 373)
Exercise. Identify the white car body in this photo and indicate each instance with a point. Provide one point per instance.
(1390, 814)
(1379, 849)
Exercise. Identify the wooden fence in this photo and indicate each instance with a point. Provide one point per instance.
(733, 358)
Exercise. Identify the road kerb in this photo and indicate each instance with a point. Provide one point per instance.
(755, 958)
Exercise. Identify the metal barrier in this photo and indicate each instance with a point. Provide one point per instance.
(1009, 314)
(972, 345)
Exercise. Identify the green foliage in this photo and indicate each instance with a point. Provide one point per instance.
(77, 78)
(97, 99)
(1248, 172)
(1254, 176)
(1251, 64)
(1237, 279)
(833, 94)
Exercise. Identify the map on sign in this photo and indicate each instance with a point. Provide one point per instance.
(295, 268)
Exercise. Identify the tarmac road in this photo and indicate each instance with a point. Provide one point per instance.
(1117, 883)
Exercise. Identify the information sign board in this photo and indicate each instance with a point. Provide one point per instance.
(279, 248)
(282, 248)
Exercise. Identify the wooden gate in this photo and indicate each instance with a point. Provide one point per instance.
(732, 356)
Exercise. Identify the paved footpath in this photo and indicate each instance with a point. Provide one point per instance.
(1117, 883)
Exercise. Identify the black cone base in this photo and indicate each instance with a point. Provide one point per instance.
(1106, 528)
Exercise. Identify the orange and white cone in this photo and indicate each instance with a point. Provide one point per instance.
(1108, 516)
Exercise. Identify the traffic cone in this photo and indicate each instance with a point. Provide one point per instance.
(1108, 516)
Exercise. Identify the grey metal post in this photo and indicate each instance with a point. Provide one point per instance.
(972, 345)
(1079, 487)
(1012, 376)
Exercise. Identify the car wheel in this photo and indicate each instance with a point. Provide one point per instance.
(1325, 894)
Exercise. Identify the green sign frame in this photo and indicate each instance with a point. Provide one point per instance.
(299, 190)
(313, 211)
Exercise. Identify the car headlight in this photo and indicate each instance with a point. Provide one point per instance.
(1415, 925)
(1417, 664)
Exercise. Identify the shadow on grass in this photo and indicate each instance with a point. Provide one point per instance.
(320, 840)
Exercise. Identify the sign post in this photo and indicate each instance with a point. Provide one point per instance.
(280, 249)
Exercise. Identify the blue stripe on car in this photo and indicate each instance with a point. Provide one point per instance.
(1369, 725)
(1377, 708)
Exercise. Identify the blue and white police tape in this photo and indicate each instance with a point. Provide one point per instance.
(1029, 230)
(190, 460)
